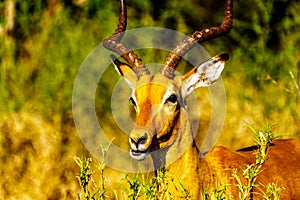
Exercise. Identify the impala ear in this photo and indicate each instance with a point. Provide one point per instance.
(126, 71)
(205, 74)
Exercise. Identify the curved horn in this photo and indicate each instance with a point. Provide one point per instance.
(186, 44)
(113, 43)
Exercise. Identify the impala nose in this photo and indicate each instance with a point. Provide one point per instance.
(137, 141)
(140, 145)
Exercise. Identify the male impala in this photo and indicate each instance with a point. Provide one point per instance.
(162, 122)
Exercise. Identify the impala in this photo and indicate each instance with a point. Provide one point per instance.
(162, 120)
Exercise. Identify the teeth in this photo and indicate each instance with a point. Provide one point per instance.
(137, 151)
(138, 155)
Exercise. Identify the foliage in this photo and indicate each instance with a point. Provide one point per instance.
(48, 42)
(134, 186)
(216, 194)
(264, 137)
(91, 190)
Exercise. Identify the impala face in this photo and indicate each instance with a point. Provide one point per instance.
(159, 98)
(158, 102)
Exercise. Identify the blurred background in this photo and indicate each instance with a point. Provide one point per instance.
(44, 42)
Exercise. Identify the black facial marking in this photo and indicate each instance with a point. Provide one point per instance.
(132, 101)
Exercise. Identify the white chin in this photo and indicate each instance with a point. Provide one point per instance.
(138, 155)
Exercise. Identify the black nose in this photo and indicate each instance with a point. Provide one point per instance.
(139, 140)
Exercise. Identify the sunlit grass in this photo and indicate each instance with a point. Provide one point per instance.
(142, 186)
(36, 159)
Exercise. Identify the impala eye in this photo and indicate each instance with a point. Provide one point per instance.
(132, 101)
(172, 98)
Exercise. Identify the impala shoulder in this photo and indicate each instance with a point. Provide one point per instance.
(222, 158)
(286, 152)
(288, 145)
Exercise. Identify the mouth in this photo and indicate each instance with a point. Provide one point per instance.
(138, 155)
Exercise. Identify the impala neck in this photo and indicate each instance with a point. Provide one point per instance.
(189, 168)
(183, 144)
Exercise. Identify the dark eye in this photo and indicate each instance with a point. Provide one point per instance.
(172, 98)
(132, 101)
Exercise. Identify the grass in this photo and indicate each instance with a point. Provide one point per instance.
(263, 137)
(36, 159)
(137, 186)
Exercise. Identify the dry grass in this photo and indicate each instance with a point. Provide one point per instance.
(36, 159)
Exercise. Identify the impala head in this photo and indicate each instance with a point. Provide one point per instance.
(159, 99)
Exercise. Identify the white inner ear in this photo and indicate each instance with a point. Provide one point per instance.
(205, 75)
(130, 78)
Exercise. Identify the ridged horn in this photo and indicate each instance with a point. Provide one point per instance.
(186, 44)
(113, 44)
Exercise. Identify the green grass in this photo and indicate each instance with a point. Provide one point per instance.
(141, 186)
(134, 186)
(263, 138)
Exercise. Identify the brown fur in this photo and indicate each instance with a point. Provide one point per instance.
(282, 167)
